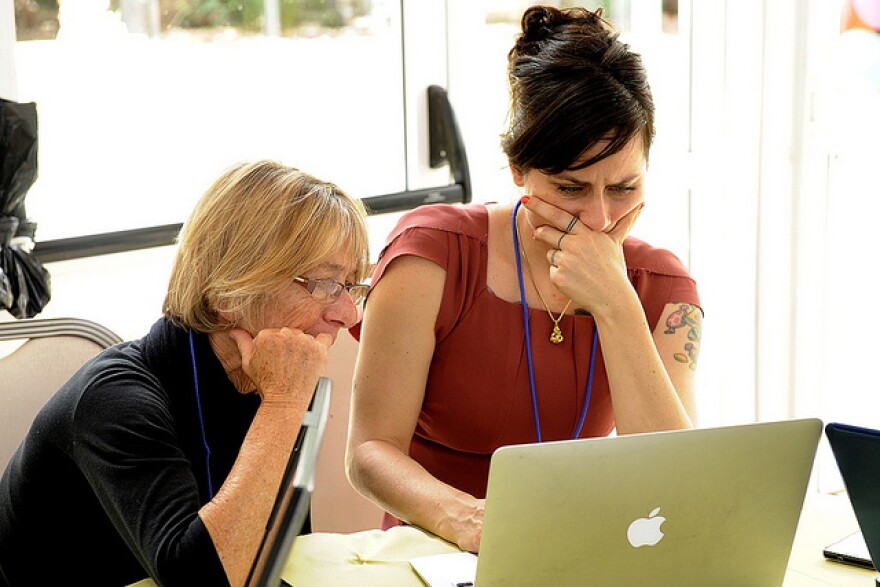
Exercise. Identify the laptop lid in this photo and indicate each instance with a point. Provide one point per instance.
(712, 506)
(294, 494)
(857, 452)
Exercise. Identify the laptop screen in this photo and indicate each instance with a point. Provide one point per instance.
(857, 453)
(292, 503)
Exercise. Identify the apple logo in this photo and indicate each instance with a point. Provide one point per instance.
(646, 531)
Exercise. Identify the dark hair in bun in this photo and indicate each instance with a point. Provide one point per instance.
(573, 83)
(538, 22)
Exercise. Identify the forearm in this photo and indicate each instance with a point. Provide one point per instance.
(642, 393)
(383, 473)
(236, 517)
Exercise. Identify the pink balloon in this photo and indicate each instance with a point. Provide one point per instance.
(868, 11)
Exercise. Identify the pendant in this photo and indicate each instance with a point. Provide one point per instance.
(556, 337)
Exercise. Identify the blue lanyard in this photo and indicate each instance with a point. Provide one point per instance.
(192, 352)
(525, 309)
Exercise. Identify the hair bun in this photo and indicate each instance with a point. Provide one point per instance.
(538, 22)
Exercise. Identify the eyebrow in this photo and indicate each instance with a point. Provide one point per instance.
(626, 180)
(331, 266)
(337, 269)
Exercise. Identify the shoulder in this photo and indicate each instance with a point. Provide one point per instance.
(117, 383)
(438, 233)
(107, 391)
(468, 220)
(642, 257)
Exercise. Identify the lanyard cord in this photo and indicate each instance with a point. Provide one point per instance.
(192, 351)
(525, 309)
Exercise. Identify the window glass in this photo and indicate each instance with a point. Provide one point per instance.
(142, 103)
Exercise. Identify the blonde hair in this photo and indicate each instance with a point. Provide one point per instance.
(259, 225)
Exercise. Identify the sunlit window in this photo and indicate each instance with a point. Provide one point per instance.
(142, 103)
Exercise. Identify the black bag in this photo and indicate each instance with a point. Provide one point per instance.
(24, 283)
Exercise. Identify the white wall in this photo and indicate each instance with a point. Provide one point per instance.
(758, 198)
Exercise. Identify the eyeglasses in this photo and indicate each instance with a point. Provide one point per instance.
(328, 291)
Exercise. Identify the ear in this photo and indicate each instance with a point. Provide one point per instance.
(519, 177)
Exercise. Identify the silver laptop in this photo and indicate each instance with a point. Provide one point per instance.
(712, 506)
(293, 501)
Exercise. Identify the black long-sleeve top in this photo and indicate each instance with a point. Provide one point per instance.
(106, 487)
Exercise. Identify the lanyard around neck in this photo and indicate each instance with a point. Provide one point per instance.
(192, 352)
(525, 310)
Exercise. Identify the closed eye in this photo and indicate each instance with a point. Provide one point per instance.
(570, 189)
(622, 190)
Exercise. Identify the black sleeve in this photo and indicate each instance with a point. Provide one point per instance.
(126, 447)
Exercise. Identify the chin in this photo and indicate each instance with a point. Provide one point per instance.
(332, 334)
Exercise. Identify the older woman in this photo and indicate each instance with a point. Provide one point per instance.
(539, 319)
(162, 456)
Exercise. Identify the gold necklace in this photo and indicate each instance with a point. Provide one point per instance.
(555, 336)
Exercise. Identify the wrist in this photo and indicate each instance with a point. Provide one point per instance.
(457, 516)
(284, 405)
(623, 310)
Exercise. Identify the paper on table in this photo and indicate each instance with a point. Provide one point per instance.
(457, 569)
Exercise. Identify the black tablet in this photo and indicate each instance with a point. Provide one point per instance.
(857, 452)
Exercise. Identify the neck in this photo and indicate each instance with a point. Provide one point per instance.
(227, 353)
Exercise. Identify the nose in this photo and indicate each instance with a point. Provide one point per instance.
(595, 214)
(343, 312)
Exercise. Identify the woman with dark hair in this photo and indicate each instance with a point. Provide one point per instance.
(490, 325)
(162, 456)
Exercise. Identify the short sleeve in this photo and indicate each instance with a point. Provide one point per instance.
(454, 238)
(659, 278)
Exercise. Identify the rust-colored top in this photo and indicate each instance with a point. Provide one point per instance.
(478, 396)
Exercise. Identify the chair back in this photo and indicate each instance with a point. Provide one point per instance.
(53, 349)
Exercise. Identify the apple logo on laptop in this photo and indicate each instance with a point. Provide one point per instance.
(646, 531)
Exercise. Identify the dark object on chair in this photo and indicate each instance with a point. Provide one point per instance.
(24, 282)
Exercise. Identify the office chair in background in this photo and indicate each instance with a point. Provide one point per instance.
(53, 350)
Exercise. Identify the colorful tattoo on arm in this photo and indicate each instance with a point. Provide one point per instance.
(689, 317)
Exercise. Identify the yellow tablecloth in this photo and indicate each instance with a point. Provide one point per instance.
(381, 559)
(371, 557)
(363, 559)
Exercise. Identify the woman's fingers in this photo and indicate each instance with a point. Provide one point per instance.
(625, 224)
(560, 225)
(281, 361)
(557, 218)
(245, 343)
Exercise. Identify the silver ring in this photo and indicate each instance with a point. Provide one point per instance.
(571, 224)
(559, 242)
(553, 257)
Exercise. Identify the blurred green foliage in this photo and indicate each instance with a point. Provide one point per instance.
(248, 14)
(38, 19)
